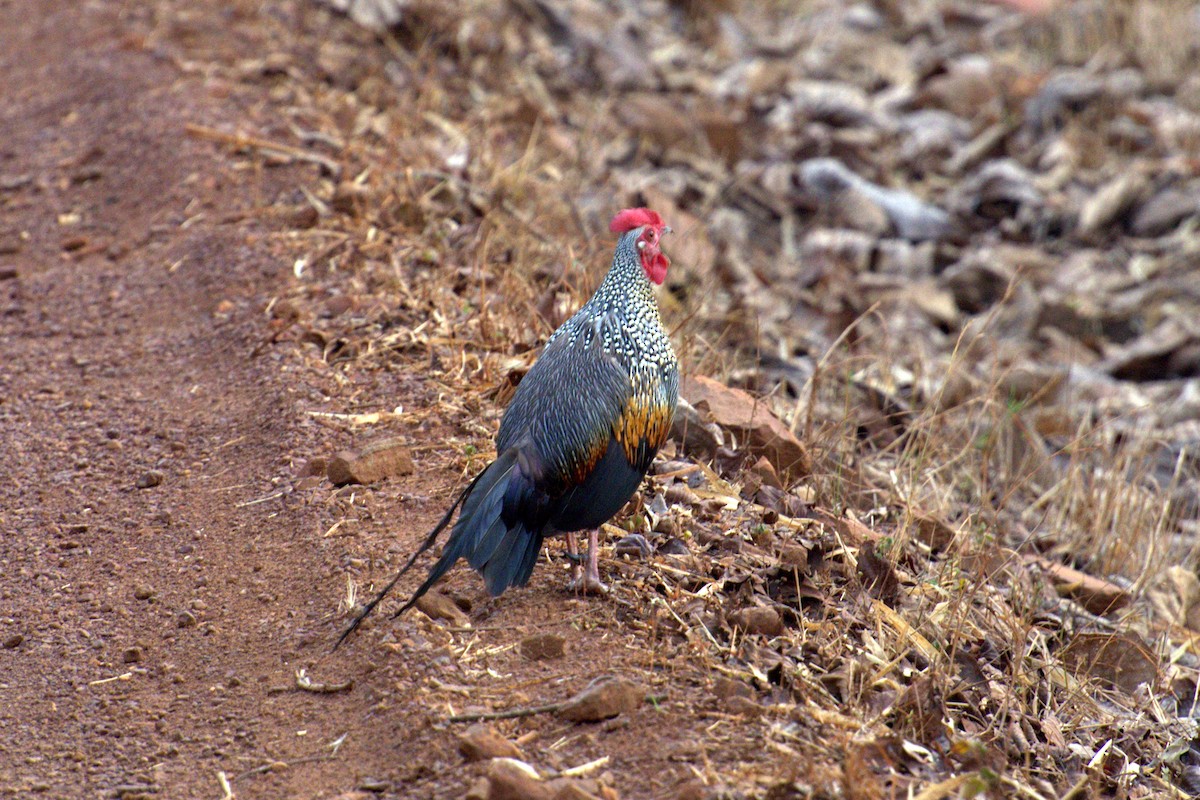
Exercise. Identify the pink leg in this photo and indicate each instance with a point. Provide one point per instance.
(590, 582)
(573, 557)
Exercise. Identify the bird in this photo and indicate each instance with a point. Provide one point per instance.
(578, 436)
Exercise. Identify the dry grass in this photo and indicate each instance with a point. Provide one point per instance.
(923, 650)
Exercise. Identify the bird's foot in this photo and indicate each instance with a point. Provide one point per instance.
(587, 584)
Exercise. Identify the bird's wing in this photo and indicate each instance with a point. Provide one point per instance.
(567, 408)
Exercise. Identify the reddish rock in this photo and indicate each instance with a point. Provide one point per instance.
(480, 743)
(386, 458)
(757, 430)
(603, 699)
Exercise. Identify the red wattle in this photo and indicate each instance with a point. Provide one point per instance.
(656, 268)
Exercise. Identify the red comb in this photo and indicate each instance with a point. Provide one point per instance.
(632, 218)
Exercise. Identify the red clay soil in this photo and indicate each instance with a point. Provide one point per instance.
(165, 568)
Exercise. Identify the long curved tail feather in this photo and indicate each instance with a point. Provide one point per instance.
(491, 533)
(429, 541)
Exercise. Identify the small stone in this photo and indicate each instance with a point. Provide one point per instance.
(438, 606)
(724, 688)
(479, 790)
(745, 706)
(543, 646)
(143, 591)
(569, 789)
(674, 547)
(149, 479)
(758, 620)
(132, 655)
(373, 784)
(794, 555)
(480, 743)
(510, 779)
(14, 641)
(386, 458)
(186, 619)
(692, 790)
(633, 545)
(605, 698)
(766, 472)
(314, 467)
(694, 434)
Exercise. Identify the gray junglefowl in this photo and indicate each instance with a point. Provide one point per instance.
(579, 435)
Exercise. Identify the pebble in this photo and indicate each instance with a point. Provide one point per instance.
(674, 547)
(758, 620)
(143, 591)
(386, 458)
(149, 479)
(186, 619)
(480, 743)
(14, 641)
(634, 545)
(543, 646)
(438, 606)
(605, 698)
(511, 779)
(133, 655)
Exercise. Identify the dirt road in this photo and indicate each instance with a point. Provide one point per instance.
(163, 576)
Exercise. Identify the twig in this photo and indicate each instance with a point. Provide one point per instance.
(584, 769)
(245, 141)
(512, 713)
(306, 683)
(225, 787)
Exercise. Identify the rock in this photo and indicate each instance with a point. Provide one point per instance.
(674, 547)
(1110, 201)
(634, 545)
(570, 789)
(132, 655)
(185, 619)
(745, 706)
(858, 199)
(511, 779)
(480, 743)
(724, 688)
(766, 473)
(377, 15)
(543, 646)
(149, 479)
(692, 790)
(1117, 660)
(605, 698)
(694, 435)
(372, 784)
(757, 429)
(314, 467)
(1062, 92)
(931, 530)
(386, 458)
(1163, 212)
(1000, 189)
(479, 790)
(14, 641)
(758, 620)
(436, 605)
(143, 591)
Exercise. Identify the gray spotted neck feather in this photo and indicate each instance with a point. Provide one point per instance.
(624, 315)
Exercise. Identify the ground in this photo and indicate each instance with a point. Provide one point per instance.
(163, 582)
(238, 238)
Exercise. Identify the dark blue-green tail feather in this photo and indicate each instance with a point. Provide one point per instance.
(493, 532)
